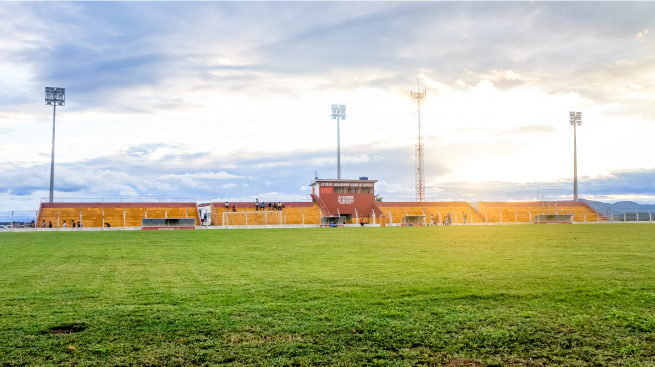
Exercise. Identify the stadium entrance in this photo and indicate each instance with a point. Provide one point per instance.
(168, 223)
(553, 219)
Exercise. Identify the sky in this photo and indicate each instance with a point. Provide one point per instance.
(214, 100)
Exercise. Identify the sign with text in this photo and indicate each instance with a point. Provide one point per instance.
(346, 199)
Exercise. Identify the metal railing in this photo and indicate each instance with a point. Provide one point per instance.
(264, 199)
(413, 200)
(18, 218)
(120, 200)
(322, 206)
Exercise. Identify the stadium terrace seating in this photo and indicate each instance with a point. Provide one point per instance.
(524, 212)
(116, 214)
(395, 211)
(291, 214)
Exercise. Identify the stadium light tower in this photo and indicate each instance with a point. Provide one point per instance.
(54, 97)
(338, 113)
(575, 119)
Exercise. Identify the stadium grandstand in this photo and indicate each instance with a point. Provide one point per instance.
(331, 203)
(103, 214)
(525, 212)
(241, 214)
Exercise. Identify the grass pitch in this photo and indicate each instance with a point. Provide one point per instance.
(497, 295)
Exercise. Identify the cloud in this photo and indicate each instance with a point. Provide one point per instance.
(161, 96)
(222, 175)
(228, 185)
(385, 188)
(497, 75)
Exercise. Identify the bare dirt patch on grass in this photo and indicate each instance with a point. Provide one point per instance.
(66, 329)
(463, 362)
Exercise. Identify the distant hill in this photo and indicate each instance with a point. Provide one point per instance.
(620, 206)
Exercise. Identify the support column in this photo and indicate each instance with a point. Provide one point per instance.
(52, 159)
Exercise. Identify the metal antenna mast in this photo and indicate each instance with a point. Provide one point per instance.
(575, 119)
(419, 180)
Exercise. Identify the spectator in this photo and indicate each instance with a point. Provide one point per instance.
(227, 205)
(279, 205)
(274, 206)
(269, 206)
(73, 220)
(256, 204)
(361, 222)
(234, 207)
(464, 216)
(79, 224)
(49, 224)
(263, 206)
(44, 223)
(107, 224)
(64, 224)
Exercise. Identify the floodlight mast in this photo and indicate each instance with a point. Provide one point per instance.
(575, 119)
(55, 97)
(338, 113)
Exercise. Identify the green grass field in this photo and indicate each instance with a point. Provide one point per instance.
(560, 295)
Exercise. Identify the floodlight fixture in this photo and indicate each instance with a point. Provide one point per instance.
(338, 113)
(575, 119)
(54, 97)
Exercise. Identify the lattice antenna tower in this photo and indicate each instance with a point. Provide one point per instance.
(419, 180)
